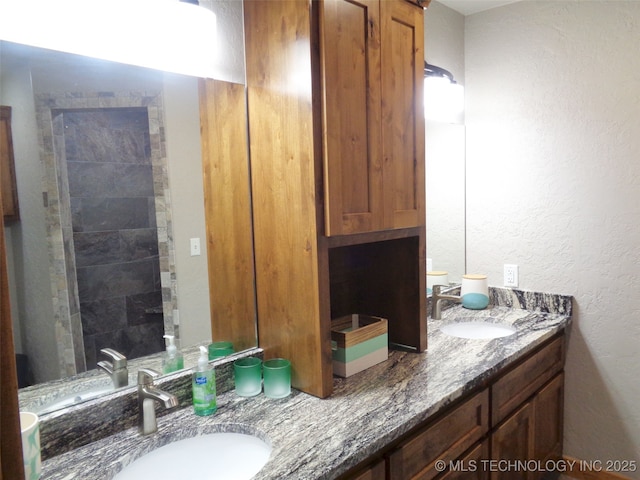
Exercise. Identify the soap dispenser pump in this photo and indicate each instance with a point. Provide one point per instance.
(204, 386)
(173, 359)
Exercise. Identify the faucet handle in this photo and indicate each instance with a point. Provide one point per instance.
(437, 289)
(117, 359)
(146, 376)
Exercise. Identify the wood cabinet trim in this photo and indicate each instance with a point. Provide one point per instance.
(7, 168)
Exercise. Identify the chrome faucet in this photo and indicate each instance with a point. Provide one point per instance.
(147, 396)
(436, 298)
(116, 368)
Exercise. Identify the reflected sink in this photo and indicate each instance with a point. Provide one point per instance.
(478, 329)
(227, 455)
(74, 398)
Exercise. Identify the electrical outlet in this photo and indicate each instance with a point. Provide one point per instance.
(511, 275)
(195, 247)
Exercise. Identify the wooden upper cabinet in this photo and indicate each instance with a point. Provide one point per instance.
(373, 130)
(403, 114)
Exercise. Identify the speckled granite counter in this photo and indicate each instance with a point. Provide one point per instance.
(320, 439)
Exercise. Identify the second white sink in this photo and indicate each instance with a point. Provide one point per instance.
(223, 455)
(479, 330)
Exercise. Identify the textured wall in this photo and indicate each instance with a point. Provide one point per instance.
(553, 177)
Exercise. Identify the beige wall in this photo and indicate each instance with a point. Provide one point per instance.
(553, 185)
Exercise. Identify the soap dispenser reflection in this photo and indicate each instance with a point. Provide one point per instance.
(173, 359)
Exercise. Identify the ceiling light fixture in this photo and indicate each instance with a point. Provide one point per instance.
(443, 96)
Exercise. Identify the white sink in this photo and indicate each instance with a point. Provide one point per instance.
(478, 329)
(223, 455)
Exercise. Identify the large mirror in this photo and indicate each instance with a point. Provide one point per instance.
(109, 173)
(445, 192)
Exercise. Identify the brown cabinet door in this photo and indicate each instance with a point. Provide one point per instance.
(443, 441)
(350, 69)
(549, 413)
(403, 114)
(471, 466)
(373, 145)
(513, 441)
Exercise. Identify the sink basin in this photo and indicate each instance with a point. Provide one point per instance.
(232, 456)
(74, 398)
(478, 329)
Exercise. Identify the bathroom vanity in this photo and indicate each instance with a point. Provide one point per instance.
(396, 419)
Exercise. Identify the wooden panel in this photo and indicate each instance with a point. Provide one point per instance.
(470, 466)
(514, 440)
(402, 114)
(293, 322)
(445, 440)
(549, 410)
(515, 386)
(228, 212)
(11, 466)
(350, 65)
(7, 167)
(374, 472)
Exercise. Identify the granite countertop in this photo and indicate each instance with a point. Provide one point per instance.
(316, 438)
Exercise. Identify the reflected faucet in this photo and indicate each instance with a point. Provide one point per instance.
(116, 368)
(436, 298)
(147, 396)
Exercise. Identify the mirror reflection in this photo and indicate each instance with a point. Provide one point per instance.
(109, 174)
(445, 190)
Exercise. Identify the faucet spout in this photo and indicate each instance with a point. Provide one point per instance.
(116, 368)
(148, 395)
(436, 301)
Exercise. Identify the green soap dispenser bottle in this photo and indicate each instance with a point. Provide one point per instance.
(173, 359)
(204, 386)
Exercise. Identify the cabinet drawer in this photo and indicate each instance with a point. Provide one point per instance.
(515, 386)
(470, 467)
(446, 440)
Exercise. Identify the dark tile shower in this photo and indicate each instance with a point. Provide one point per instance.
(115, 238)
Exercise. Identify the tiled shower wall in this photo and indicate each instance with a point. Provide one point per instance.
(137, 314)
(115, 237)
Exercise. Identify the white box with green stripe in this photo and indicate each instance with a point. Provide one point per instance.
(358, 342)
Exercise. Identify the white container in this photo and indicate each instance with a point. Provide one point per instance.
(30, 432)
(475, 292)
(436, 277)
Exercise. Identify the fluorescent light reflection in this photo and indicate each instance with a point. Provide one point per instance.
(165, 35)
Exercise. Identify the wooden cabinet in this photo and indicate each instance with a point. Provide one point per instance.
(318, 104)
(524, 379)
(372, 117)
(533, 432)
(470, 467)
(527, 410)
(549, 420)
(517, 417)
(446, 440)
(514, 440)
